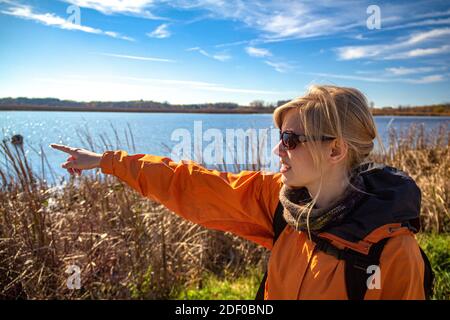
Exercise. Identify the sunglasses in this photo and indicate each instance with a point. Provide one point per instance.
(290, 140)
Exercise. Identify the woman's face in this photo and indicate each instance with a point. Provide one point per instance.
(297, 166)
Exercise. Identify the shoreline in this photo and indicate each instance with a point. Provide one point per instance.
(243, 110)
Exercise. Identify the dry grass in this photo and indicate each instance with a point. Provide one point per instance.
(130, 247)
(425, 156)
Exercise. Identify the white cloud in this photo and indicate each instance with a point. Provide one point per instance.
(425, 52)
(160, 32)
(119, 88)
(279, 20)
(428, 79)
(396, 49)
(172, 81)
(427, 35)
(284, 26)
(281, 67)
(50, 19)
(282, 20)
(219, 56)
(348, 77)
(420, 52)
(123, 56)
(422, 80)
(401, 71)
(201, 85)
(118, 35)
(357, 52)
(360, 37)
(258, 52)
(433, 14)
(428, 22)
(231, 44)
(127, 7)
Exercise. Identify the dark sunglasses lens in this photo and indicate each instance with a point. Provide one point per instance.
(289, 140)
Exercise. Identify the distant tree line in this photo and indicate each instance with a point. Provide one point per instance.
(432, 110)
(135, 106)
(256, 106)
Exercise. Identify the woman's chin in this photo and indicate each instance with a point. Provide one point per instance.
(285, 178)
(290, 182)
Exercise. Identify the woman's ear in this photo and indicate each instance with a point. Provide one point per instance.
(337, 150)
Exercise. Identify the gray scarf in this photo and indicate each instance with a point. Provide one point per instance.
(295, 200)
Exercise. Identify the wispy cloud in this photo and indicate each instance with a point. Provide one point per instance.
(218, 56)
(427, 35)
(428, 79)
(160, 32)
(422, 80)
(127, 7)
(420, 52)
(165, 84)
(50, 19)
(123, 56)
(401, 71)
(422, 23)
(277, 20)
(348, 77)
(433, 14)
(281, 20)
(399, 48)
(258, 52)
(287, 20)
(231, 44)
(190, 83)
(281, 67)
(221, 57)
(202, 85)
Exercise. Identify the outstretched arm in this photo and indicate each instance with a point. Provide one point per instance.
(242, 203)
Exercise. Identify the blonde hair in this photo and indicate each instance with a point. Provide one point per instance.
(339, 112)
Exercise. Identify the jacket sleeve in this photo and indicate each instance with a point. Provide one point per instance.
(242, 203)
(402, 271)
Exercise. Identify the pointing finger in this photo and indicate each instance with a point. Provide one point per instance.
(64, 148)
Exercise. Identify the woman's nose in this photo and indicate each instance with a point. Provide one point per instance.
(279, 150)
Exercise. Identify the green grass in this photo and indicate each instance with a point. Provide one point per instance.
(214, 288)
(437, 248)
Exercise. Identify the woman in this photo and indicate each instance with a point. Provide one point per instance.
(336, 206)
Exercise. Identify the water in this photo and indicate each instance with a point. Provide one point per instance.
(154, 133)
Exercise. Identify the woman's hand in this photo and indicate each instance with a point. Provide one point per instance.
(79, 159)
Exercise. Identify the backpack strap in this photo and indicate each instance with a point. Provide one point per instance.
(356, 264)
(428, 279)
(356, 267)
(278, 226)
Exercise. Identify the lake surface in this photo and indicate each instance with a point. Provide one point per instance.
(157, 133)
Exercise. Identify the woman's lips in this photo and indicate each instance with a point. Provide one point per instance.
(284, 168)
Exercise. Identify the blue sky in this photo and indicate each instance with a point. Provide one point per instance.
(198, 51)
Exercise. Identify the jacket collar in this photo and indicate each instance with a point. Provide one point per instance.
(392, 199)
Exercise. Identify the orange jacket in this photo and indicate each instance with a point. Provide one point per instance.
(244, 204)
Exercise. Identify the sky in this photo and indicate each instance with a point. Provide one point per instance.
(182, 51)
